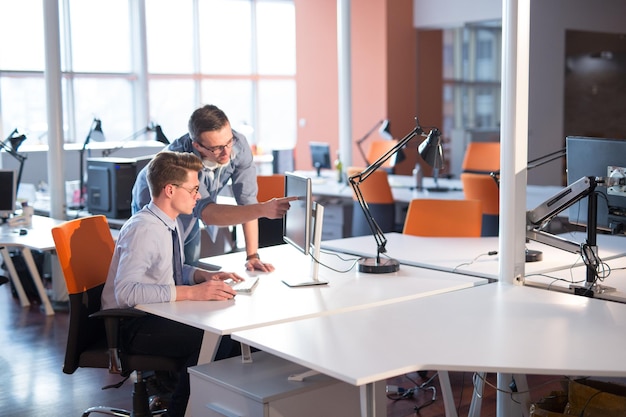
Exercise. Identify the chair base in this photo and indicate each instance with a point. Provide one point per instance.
(119, 412)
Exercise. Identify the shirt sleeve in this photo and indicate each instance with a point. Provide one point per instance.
(143, 271)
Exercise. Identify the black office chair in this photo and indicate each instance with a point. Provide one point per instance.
(85, 248)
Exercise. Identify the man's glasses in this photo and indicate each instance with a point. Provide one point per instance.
(217, 150)
(193, 191)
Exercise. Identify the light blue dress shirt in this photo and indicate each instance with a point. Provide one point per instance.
(240, 171)
(141, 270)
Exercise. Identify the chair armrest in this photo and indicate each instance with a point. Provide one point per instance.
(112, 318)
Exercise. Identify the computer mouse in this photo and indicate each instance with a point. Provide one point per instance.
(23, 232)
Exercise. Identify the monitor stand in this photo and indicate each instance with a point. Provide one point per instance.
(313, 279)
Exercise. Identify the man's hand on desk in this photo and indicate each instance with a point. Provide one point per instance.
(210, 286)
(254, 263)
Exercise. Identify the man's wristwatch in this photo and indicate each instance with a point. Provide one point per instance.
(253, 256)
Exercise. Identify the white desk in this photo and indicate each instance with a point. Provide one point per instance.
(403, 189)
(38, 237)
(274, 302)
(576, 275)
(470, 255)
(514, 329)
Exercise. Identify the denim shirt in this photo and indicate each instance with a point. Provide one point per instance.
(240, 171)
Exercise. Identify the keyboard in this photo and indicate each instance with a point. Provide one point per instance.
(244, 286)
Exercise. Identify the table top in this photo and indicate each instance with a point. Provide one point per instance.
(497, 327)
(274, 302)
(37, 235)
(403, 188)
(471, 255)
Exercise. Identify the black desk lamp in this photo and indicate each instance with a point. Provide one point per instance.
(383, 131)
(95, 134)
(430, 150)
(10, 145)
(159, 137)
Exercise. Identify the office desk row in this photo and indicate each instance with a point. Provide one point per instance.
(37, 236)
(403, 189)
(288, 322)
(274, 302)
(471, 256)
(491, 328)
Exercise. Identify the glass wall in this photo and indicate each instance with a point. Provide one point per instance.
(133, 62)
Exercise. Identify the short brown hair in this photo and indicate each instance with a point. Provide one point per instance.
(168, 167)
(208, 118)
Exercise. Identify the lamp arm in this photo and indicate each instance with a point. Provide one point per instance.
(367, 135)
(584, 187)
(146, 129)
(362, 176)
(356, 179)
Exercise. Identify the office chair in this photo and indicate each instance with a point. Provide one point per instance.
(377, 149)
(377, 194)
(481, 157)
(270, 230)
(84, 248)
(443, 218)
(484, 188)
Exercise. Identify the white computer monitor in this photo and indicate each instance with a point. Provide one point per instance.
(8, 185)
(303, 228)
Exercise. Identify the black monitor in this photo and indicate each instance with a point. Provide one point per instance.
(303, 228)
(599, 157)
(320, 156)
(8, 184)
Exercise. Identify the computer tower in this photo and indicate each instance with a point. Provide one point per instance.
(109, 186)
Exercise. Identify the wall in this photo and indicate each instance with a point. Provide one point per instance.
(383, 71)
(547, 70)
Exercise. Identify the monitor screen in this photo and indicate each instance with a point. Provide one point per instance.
(597, 157)
(320, 156)
(8, 179)
(297, 220)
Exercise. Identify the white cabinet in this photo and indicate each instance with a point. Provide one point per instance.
(230, 388)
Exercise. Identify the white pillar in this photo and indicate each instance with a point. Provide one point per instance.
(345, 83)
(56, 178)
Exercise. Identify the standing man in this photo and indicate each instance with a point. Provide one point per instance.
(225, 156)
(147, 267)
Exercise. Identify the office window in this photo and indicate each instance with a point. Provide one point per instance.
(237, 54)
(471, 59)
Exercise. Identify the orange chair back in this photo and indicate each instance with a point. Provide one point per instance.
(84, 248)
(443, 218)
(378, 148)
(270, 186)
(481, 157)
(484, 188)
(376, 188)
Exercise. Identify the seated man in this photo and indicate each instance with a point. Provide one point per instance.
(226, 156)
(148, 267)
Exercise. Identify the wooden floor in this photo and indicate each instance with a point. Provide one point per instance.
(32, 382)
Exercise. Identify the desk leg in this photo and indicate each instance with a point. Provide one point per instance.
(505, 406)
(210, 343)
(446, 393)
(368, 400)
(15, 278)
(34, 272)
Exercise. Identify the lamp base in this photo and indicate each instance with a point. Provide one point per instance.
(385, 266)
(533, 255)
(438, 189)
